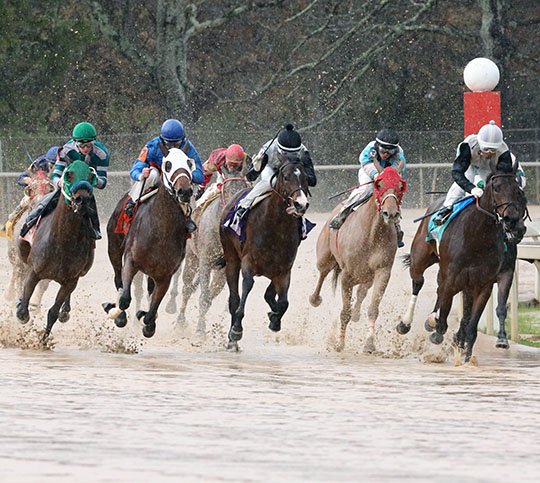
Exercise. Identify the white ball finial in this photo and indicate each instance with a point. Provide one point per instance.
(481, 75)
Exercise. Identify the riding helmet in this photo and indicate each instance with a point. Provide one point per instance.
(235, 153)
(289, 139)
(387, 138)
(84, 131)
(51, 155)
(172, 131)
(490, 136)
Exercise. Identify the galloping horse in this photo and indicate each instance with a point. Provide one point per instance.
(204, 250)
(63, 246)
(155, 243)
(362, 251)
(37, 188)
(470, 255)
(272, 238)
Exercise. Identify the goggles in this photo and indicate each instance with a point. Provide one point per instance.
(388, 149)
(84, 144)
(488, 151)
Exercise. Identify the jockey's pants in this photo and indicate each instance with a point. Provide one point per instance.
(262, 187)
(153, 180)
(456, 192)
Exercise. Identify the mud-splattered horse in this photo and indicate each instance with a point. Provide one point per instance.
(155, 243)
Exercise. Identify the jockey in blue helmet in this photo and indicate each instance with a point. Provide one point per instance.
(146, 168)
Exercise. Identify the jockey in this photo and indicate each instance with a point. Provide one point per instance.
(472, 165)
(82, 147)
(266, 163)
(42, 163)
(232, 156)
(385, 151)
(146, 168)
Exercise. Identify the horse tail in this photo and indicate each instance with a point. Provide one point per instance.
(219, 263)
(406, 259)
(335, 277)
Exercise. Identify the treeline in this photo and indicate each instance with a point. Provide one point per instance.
(337, 65)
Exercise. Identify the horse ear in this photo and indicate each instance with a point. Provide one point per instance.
(190, 163)
(70, 176)
(167, 166)
(379, 183)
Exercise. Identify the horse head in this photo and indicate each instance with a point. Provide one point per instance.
(39, 185)
(506, 201)
(78, 184)
(389, 188)
(176, 173)
(291, 185)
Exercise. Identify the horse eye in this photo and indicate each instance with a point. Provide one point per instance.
(168, 166)
(496, 188)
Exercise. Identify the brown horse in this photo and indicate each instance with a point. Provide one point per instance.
(63, 247)
(272, 238)
(37, 188)
(155, 243)
(204, 250)
(362, 251)
(471, 258)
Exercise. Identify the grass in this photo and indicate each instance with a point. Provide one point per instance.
(529, 326)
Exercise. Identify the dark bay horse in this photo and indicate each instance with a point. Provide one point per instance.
(362, 252)
(270, 247)
(471, 258)
(204, 250)
(155, 243)
(63, 247)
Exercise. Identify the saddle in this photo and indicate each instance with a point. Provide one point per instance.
(435, 232)
(124, 220)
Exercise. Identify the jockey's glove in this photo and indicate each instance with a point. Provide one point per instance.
(257, 162)
(477, 192)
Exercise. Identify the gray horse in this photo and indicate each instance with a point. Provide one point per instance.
(204, 251)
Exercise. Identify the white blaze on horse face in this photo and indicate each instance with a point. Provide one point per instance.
(301, 199)
(175, 160)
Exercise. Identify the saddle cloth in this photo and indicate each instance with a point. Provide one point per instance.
(435, 232)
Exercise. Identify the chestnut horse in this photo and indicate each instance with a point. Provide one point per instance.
(204, 250)
(362, 252)
(37, 188)
(63, 246)
(471, 257)
(272, 238)
(155, 243)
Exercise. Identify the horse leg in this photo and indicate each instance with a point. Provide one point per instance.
(270, 297)
(37, 296)
(22, 305)
(281, 288)
(171, 306)
(479, 303)
(118, 313)
(190, 282)
(421, 258)
(149, 318)
(63, 294)
(345, 314)
(204, 298)
(247, 284)
(445, 300)
(504, 284)
(138, 291)
(325, 264)
(380, 283)
(232, 272)
(459, 337)
(63, 316)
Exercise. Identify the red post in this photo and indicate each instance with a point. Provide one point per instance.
(479, 108)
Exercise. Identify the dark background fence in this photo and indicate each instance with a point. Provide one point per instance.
(335, 154)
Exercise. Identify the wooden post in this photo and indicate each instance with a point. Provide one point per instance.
(514, 333)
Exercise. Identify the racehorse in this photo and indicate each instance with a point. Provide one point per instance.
(470, 256)
(155, 243)
(37, 188)
(362, 252)
(272, 237)
(63, 246)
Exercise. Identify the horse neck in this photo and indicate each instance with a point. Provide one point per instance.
(165, 204)
(65, 221)
(375, 220)
(230, 188)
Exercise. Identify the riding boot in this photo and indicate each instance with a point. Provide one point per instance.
(190, 225)
(94, 219)
(399, 232)
(45, 206)
(241, 212)
(441, 215)
(130, 205)
(340, 218)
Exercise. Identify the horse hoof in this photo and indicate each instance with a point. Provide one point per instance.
(403, 328)
(121, 320)
(428, 326)
(149, 330)
(275, 322)
(140, 314)
(369, 346)
(502, 344)
(235, 335)
(436, 338)
(107, 306)
(232, 346)
(171, 308)
(315, 301)
(63, 317)
(22, 314)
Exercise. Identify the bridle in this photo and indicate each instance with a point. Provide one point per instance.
(286, 196)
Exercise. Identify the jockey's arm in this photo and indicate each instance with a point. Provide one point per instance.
(137, 169)
(460, 167)
(23, 179)
(310, 170)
